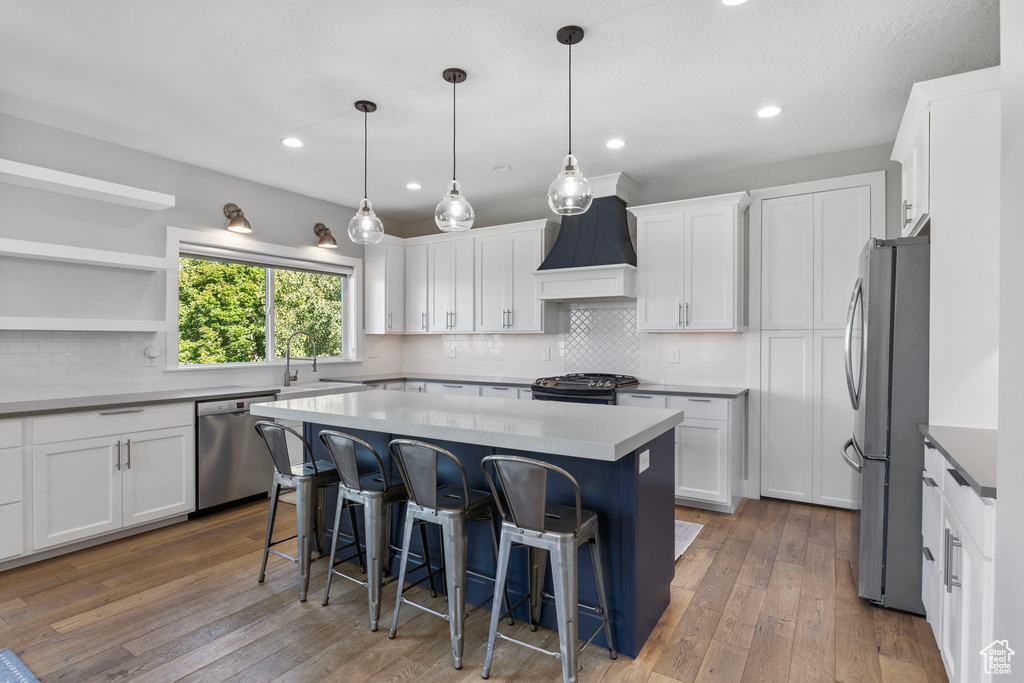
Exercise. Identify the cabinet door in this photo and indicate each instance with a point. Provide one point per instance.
(787, 254)
(394, 319)
(908, 177)
(158, 474)
(453, 389)
(787, 414)
(660, 272)
(842, 224)
(416, 289)
(462, 295)
(709, 269)
(835, 482)
(493, 259)
(500, 392)
(12, 530)
(951, 643)
(439, 286)
(702, 460)
(976, 630)
(526, 311)
(77, 490)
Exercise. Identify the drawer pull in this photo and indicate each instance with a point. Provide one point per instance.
(958, 478)
(500, 388)
(929, 445)
(452, 386)
(122, 412)
(640, 396)
(929, 482)
(699, 400)
(928, 554)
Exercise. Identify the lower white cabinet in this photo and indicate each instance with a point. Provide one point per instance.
(498, 391)
(709, 447)
(452, 389)
(12, 536)
(158, 475)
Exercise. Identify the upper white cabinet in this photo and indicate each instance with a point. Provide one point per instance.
(914, 178)
(506, 288)
(810, 244)
(690, 264)
(450, 286)
(384, 302)
(416, 289)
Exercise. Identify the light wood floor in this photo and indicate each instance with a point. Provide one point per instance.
(762, 595)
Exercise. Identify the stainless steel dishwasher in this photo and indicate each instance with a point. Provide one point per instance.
(232, 463)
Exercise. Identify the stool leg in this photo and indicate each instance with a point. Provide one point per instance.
(304, 522)
(598, 560)
(387, 539)
(334, 551)
(426, 559)
(500, 574)
(355, 537)
(402, 566)
(538, 570)
(506, 604)
(376, 550)
(454, 548)
(270, 530)
(563, 573)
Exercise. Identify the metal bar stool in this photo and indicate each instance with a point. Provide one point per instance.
(553, 530)
(308, 478)
(376, 494)
(451, 508)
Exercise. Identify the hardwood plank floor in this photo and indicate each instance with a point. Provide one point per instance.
(764, 594)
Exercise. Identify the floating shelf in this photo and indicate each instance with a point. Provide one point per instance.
(81, 324)
(27, 175)
(41, 251)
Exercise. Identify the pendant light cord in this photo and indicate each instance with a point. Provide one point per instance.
(454, 126)
(570, 98)
(365, 115)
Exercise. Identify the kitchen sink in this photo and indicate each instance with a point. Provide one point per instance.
(317, 388)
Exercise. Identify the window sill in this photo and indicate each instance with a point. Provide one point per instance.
(277, 364)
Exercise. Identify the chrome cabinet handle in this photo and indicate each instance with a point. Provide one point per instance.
(504, 318)
(859, 467)
(907, 208)
(452, 386)
(958, 478)
(389, 320)
(453, 320)
(122, 412)
(640, 396)
(118, 465)
(928, 554)
(686, 314)
(699, 400)
(511, 319)
(500, 388)
(954, 579)
(128, 462)
(679, 314)
(929, 445)
(423, 320)
(929, 482)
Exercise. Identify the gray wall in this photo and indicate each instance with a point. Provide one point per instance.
(830, 165)
(1009, 590)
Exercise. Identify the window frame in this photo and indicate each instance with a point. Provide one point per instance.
(237, 248)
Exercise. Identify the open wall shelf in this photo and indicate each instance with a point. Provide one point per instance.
(27, 175)
(41, 251)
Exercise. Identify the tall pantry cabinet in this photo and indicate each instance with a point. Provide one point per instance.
(811, 237)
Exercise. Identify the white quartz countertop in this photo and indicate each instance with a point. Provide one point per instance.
(594, 432)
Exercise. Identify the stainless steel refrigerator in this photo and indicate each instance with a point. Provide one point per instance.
(887, 374)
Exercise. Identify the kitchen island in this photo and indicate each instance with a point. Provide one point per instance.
(623, 459)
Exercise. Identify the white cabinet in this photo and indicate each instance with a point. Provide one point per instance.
(914, 179)
(11, 489)
(506, 288)
(787, 262)
(93, 473)
(416, 289)
(842, 225)
(417, 387)
(835, 482)
(690, 264)
(787, 414)
(450, 286)
(452, 389)
(384, 296)
(498, 391)
(951, 640)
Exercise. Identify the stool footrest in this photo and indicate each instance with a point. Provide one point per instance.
(597, 610)
(417, 605)
(556, 655)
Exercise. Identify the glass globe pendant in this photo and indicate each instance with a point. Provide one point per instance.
(570, 193)
(365, 227)
(454, 213)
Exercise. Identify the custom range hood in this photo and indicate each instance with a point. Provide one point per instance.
(593, 255)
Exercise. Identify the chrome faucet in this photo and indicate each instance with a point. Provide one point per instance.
(288, 376)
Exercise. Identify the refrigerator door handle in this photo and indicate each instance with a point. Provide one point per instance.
(844, 451)
(858, 293)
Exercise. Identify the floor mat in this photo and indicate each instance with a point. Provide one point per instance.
(685, 533)
(13, 670)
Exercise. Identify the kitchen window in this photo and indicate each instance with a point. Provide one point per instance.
(235, 309)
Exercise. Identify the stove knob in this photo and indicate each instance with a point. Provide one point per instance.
(592, 383)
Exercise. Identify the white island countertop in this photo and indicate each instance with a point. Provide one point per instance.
(594, 432)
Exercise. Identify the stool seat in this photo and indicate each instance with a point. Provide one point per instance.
(374, 484)
(560, 520)
(453, 499)
(322, 470)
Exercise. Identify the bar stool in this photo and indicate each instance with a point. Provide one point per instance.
(554, 530)
(451, 508)
(376, 494)
(309, 478)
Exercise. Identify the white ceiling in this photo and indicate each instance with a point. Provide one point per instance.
(218, 84)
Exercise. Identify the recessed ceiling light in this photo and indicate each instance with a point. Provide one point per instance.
(615, 143)
(731, 3)
(291, 142)
(501, 168)
(769, 111)
(413, 186)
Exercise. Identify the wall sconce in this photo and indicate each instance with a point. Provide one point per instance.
(237, 220)
(327, 240)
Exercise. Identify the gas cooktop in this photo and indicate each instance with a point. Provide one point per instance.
(586, 380)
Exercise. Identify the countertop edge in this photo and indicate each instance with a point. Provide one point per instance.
(123, 401)
(981, 490)
(644, 388)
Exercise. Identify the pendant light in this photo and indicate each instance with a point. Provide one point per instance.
(365, 227)
(570, 193)
(454, 213)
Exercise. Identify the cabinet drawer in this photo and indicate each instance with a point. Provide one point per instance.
(976, 514)
(931, 591)
(697, 408)
(10, 434)
(453, 389)
(12, 531)
(500, 392)
(931, 517)
(111, 422)
(933, 463)
(418, 387)
(10, 481)
(394, 386)
(640, 400)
